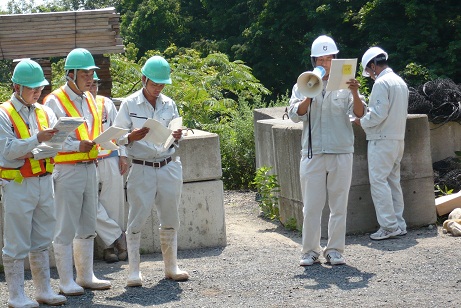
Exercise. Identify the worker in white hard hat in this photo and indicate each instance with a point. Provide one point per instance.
(75, 177)
(326, 162)
(26, 163)
(384, 125)
(154, 180)
(112, 165)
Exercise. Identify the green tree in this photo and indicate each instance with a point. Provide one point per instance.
(424, 32)
(155, 24)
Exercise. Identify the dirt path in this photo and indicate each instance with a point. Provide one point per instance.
(259, 268)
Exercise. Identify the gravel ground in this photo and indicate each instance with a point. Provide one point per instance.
(259, 268)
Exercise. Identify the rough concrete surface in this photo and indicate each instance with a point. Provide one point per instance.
(259, 268)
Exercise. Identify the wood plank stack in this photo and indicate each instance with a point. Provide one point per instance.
(43, 35)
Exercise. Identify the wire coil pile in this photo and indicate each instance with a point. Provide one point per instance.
(440, 99)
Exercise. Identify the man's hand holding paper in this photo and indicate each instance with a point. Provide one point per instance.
(341, 71)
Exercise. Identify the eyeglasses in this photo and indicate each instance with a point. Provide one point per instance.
(37, 89)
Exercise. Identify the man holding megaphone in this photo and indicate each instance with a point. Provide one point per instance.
(327, 147)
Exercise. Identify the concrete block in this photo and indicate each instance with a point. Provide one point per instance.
(361, 215)
(200, 156)
(202, 218)
(269, 113)
(445, 140)
(287, 149)
(264, 148)
(416, 172)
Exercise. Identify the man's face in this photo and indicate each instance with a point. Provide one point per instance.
(30, 95)
(153, 88)
(94, 88)
(371, 71)
(84, 79)
(325, 62)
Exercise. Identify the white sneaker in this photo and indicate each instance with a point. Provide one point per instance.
(402, 232)
(335, 258)
(383, 234)
(309, 258)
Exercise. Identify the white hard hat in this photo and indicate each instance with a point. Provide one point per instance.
(322, 46)
(369, 55)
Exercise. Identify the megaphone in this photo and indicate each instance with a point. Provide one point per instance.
(310, 83)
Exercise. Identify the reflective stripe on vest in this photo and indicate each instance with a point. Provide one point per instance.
(100, 103)
(82, 131)
(31, 167)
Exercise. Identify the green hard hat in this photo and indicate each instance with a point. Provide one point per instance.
(157, 69)
(29, 73)
(95, 76)
(80, 59)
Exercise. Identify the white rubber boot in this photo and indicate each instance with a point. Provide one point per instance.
(169, 245)
(40, 268)
(63, 256)
(83, 257)
(133, 242)
(14, 276)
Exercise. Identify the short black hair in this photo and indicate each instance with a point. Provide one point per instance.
(378, 60)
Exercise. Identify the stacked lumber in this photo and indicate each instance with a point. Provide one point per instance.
(43, 35)
(445, 204)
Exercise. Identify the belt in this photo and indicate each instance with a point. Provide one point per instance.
(152, 164)
(86, 162)
(44, 174)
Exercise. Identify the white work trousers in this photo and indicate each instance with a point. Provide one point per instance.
(111, 207)
(148, 186)
(76, 202)
(322, 176)
(28, 216)
(384, 158)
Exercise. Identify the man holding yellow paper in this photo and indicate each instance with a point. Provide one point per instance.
(326, 162)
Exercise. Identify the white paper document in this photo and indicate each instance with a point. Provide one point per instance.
(112, 133)
(161, 135)
(341, 71)
(65, 126)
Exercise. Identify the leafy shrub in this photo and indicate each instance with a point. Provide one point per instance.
(268, 188)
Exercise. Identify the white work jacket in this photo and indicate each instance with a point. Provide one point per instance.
(133, 112)
(331, 127)
(386, 117)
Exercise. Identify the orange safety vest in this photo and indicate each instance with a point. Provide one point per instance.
(82, 131)
(100, 103)
(31, 167)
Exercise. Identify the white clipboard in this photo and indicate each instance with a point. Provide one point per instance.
(341, 71)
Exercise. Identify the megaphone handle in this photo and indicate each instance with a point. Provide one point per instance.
(309, 140)
(312, 81)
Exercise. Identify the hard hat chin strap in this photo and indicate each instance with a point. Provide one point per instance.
(19, 96)
(144, 85)
(74, 80)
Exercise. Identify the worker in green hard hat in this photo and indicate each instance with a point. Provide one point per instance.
(75, 180)
(26, 163)
(154, 179)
